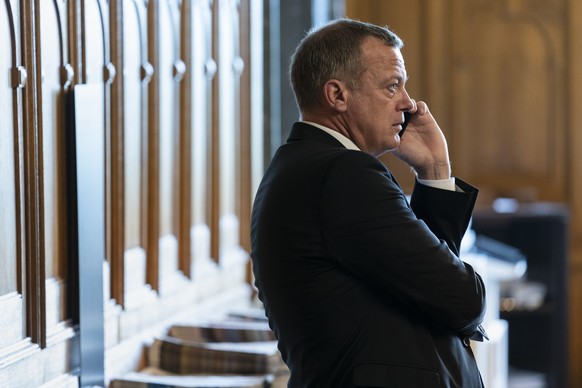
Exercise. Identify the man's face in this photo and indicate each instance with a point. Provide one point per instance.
(376, 109)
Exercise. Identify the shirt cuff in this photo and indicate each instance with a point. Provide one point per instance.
(443, 184)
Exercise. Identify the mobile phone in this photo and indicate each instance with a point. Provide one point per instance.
(407, 116)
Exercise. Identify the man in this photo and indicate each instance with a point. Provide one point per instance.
(361, 288)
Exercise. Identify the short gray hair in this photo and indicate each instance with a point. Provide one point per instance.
(332, 51)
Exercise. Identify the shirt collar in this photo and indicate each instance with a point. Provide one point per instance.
(341, 138)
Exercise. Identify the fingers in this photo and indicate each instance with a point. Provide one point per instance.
(421, 107)
(414, 106)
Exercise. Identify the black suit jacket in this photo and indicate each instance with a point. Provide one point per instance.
(361, 288)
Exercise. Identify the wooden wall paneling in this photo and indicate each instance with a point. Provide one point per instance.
(115, 170)
(509, 97)
(176, 68)
(136, 76)
(135, 71)
(34, 263)
(214, 198)
(152, 181)
(184, 216)
(435, 63)
(246, 130)
(74, 15)
(179, 70)
(199, 97)
(9, 136)
(23, 292)
(12, 283)
(491, 72)
(57, 76)
(203, 146)
(170, 70)
(574, 176)
(230, 68)
(574, 117)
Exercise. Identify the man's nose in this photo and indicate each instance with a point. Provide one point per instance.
(407, 102)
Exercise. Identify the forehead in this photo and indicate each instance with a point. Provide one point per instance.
(378, 55)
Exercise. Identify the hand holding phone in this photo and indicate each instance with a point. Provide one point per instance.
(426, 148)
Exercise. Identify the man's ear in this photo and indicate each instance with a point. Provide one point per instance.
(336, 95)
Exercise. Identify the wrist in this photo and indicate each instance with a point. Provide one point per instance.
(437, 171)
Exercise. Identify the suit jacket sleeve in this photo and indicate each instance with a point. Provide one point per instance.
(446, 213)
(371, 231)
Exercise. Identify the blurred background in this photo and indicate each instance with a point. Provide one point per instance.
(134, 134)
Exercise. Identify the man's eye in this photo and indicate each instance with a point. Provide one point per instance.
(393, 87)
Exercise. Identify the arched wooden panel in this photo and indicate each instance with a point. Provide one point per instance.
(168, 55)
(137, 72)
(509, 126)
(134, 52)
(66, 43)
(170, 71)
(196, 117)
(12, 306)
(95, 43)
(99, 70)
(203, 71)
(230, 67)
(163, 148)
(56, 77)
(8, 168)
(52, 41)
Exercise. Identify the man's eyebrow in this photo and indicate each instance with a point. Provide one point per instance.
(401, 78)
(403, 75)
